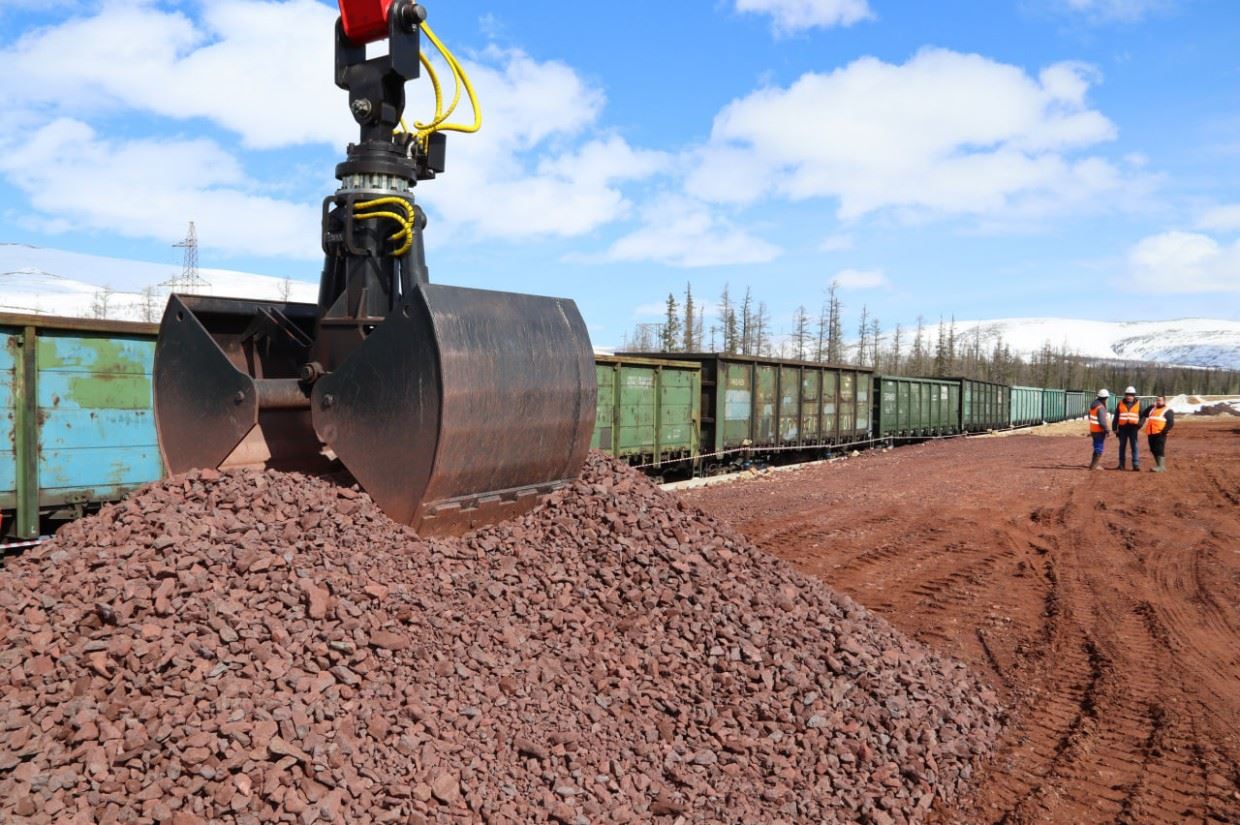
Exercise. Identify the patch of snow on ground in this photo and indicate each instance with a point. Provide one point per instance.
(1186, 405)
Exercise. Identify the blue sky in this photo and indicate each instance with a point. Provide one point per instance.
(1078, 158)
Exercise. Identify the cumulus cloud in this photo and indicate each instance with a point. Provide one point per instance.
(789, 16)
(860, 279)
(508, 181)
(680, 232)
(944, 132)
(1221, 218)
(1185, 262)
(262, 70)
(149, 188)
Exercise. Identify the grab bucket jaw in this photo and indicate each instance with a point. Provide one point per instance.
(462, 407)
(226, 389)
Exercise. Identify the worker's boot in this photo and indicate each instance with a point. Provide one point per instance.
(1161, 463)
(1122, 465)
(1093, 462)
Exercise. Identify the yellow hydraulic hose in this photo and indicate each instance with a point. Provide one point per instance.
(404, 234)
(463, 77)
(460, 79)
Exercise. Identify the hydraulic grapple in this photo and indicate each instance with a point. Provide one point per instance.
(451, 407)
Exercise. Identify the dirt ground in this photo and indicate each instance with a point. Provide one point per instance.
(1105, 606)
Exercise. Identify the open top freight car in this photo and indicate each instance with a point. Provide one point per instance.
(763, 407)
(1026, 406)
(984, 405)
(648, 411)
(75, 407)
(915, 407)
(1077, 403)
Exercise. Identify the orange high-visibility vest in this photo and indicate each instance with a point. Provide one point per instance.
(1094, 426)
(1128, 416)
(1157, 422)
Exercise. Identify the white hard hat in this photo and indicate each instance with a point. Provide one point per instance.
(1104, 393)
(1130, 391)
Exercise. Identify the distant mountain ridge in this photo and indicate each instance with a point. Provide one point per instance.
(55, 282)
(1193, 342)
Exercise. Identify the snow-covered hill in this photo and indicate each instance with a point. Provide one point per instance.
(1199, 342)
(54, 282)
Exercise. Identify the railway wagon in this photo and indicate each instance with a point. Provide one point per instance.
(1054, 405)
(915, 407)
(1026, 407)
(984, 405)
(75, 406)
(649, 410)
(758, 405)
(1076, 403)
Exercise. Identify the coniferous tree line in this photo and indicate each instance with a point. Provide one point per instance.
(743, 326)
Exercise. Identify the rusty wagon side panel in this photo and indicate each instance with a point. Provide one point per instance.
(75, 410)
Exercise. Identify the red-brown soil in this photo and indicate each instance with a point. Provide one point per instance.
(1105, 606)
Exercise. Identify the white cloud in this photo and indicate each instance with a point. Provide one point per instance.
(1221, 218)
(860, 279)
(839, 242)
(1107, 10)
(797, 15)
(944, 133)
(263, 71)
(492, 190)
(489, 191)
(679, 232)
(605, 161)
(150, 188)
(260, 69)
(1185, 262)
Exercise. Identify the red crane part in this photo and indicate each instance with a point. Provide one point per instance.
(365, 21)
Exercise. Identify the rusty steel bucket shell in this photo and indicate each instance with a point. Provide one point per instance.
(462, 407)
(212, 358)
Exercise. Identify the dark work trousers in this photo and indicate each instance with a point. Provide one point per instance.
(1100, 440)
(1128, 435)
(1158, 444)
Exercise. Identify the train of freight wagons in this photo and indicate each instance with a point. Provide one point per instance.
(75, 397)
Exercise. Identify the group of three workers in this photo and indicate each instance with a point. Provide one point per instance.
(1129, 419)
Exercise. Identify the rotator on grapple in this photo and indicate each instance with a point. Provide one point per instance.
(450, 406)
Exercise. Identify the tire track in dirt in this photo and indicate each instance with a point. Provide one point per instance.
(1106, 607)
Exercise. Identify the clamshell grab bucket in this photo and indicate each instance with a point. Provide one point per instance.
(461, 407)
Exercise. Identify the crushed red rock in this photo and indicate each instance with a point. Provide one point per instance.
(255, 647)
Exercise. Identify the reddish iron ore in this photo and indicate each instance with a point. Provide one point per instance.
(255, 647)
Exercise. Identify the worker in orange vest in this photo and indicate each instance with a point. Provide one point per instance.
(1098, 426)
(1158, 424)
(1127, 425)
